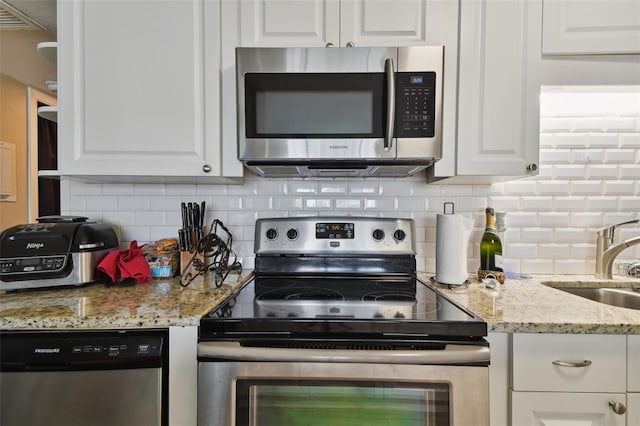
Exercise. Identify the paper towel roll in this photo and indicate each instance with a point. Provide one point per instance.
(452, 239)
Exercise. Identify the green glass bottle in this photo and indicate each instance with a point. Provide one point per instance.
(491, 245)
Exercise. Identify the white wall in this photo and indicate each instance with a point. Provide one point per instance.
(589, 178)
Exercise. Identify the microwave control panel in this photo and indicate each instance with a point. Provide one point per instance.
(415, 104)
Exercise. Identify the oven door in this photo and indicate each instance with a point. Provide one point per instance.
(242, 386)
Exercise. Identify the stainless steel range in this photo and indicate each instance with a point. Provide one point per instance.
(336, 328)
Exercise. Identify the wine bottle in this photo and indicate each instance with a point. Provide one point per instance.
(490, 245)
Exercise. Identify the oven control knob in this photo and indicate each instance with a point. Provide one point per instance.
(399, 235)
(378, 234)
(292, 234)
(272, 234)
(399, 315)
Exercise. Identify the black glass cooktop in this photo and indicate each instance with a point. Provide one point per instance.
(339, 307)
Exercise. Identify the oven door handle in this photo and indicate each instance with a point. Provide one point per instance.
(452, 354)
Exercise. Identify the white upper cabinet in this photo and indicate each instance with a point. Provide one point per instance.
(591, 27)
(139, 89)
(308, 23)
(499, 72)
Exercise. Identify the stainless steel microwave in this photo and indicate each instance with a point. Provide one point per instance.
(328, 112)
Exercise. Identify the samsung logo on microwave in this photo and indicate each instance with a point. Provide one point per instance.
(35, 245)
(46, 350)
(338, 146)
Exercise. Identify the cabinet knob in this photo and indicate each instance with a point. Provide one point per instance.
(206, 168)
(350, 44)
(532, 167)
(329, 44)
(618, 407)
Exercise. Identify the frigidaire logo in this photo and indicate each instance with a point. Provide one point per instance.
(46, 350)
(338, 146)
(35, 245)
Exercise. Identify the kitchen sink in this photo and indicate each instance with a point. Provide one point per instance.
(622, 297)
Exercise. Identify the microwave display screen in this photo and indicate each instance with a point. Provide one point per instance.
(314, 105)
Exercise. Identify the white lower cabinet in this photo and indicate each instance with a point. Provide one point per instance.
(569, 379)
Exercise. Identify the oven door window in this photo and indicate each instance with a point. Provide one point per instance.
(323, 403)
(314, 105)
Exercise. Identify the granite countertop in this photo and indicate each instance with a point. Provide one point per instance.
(159, 303)
(535, 306)
(517, 306)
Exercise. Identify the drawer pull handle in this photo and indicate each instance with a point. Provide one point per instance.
(584, 363)
(618, 407)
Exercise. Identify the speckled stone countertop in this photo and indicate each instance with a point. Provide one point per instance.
(159, 303)
(535, 306)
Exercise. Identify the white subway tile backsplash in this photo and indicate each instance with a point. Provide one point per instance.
(587, 187)
(588, 156)
(630, 140)
(348, 204)
(588, 124)
(536, 235)
(602, 171)
(570, 171)
(620, 124)
(553, 219)
(569, 203)
(553, 187)
(585, 219)
(570, 266)
(104, 202)
(622, 157)
(536, 203)
(150, 218)
(589, 178)
(618, 187)
(602, 203)
(602, 140)
(317, 203)
(569, 235)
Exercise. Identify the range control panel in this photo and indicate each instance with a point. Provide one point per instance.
(345, 235)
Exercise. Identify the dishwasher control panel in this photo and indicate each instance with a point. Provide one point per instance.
(71, 350)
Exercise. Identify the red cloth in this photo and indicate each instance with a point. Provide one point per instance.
(130, 263)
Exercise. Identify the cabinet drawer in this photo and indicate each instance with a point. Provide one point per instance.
(633, 364)
(569, 362)
(593, 409)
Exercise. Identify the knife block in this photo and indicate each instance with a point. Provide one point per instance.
(188, 266)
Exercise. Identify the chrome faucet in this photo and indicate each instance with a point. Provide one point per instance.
(606, 253)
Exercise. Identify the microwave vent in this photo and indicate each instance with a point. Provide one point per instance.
(13, 19)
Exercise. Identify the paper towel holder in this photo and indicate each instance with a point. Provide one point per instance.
(465, 284)
(449, 203)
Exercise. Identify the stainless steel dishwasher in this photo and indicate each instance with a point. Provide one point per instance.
(84, 378)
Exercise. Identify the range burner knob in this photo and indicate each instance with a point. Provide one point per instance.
(399, 235)
(399, 315)
(292, 234)
(378, 234)
(272, 234)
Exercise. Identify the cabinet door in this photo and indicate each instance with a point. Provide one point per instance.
(383, 22)
(289, 23)
(633, 364)
(561, 409)
(591, 27)
(633, 409)
(139, 87)
(498, 90)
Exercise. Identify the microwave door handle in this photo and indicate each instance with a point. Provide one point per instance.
(391, 103)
